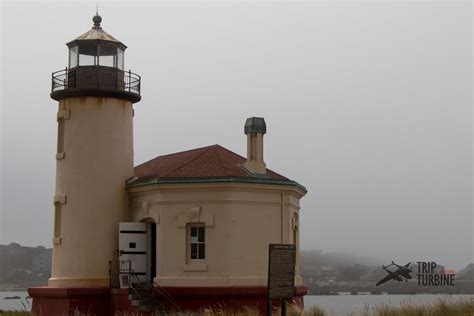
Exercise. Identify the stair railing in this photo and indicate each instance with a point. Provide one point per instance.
(124, 268)
(166, 295)
(134, 279)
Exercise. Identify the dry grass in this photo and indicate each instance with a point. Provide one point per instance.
(440, 308)
(314, 311)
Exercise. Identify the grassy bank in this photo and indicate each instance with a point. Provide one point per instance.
(440, 308)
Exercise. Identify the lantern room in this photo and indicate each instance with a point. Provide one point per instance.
(96, 48)
(96, 67)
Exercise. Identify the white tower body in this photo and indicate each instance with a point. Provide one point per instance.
(94, 158)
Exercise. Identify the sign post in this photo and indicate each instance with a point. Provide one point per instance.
(281, 274)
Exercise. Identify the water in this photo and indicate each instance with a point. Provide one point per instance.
(19, 305)
(333, 304)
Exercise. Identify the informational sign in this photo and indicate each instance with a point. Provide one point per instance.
(281, 271)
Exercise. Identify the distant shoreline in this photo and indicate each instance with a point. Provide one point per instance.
(309, 294)
(13, 289)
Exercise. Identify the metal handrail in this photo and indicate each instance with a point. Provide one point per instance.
(125, 267)
(118, 267)
(127, 81)
(166, 295)
(138, 281)
(115, 269)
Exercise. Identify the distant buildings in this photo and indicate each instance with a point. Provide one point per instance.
(311, 275)
(42, 262)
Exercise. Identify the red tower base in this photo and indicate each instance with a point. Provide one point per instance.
(48, 301)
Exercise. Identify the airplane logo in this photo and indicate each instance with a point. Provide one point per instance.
(401, 272)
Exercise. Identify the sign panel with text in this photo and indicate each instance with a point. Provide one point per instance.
(281, 271)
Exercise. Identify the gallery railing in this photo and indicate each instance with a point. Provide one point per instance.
(96, 77)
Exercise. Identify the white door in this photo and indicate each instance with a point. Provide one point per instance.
(133, 252)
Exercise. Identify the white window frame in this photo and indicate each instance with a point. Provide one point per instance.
(191, 240)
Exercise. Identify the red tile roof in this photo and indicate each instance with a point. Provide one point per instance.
(206, 162)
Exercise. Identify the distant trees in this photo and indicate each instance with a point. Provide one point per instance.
(353, 273)
(318, 258)
(24, 266)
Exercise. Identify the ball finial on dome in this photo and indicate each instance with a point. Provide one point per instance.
(97, 19)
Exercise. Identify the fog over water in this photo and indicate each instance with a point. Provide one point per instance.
(368, 105)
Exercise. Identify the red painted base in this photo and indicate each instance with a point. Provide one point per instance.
(233, 298)
(48, 301)
(119, 301)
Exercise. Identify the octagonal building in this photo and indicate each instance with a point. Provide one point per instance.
(215, 213)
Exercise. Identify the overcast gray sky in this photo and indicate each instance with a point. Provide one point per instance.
(369, 105)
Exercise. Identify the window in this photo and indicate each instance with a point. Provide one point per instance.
(107, 55)
(196, 242)
(120, 59)
(57, 219)
(60, 147)
(73, 57)
(295, 229)
(88, 54)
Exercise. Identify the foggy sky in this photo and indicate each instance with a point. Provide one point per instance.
(367, 104)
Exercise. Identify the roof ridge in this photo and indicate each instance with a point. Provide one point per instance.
(185, 151)
(187, 163)
(234, 153)
(245, 169)
(224, 165)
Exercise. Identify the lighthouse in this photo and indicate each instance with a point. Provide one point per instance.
(94, 158)
(187, 226)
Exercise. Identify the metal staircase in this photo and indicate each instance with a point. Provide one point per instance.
(140, 292)
(140, 295)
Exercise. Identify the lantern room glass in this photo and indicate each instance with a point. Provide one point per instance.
(88, 54)
(73, 57)
(120, 64)
(107, 55)
(96, 54)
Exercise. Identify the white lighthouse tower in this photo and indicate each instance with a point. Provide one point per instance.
(93, 161)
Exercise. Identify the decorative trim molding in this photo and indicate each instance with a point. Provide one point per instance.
(195, 267)
(60, 198)
(63, 114)
(140, 183)
(194, 215)
(144, 213)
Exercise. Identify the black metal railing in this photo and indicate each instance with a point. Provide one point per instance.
(96, 77)
(121, 275)
(167, 297)
(140, 290)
